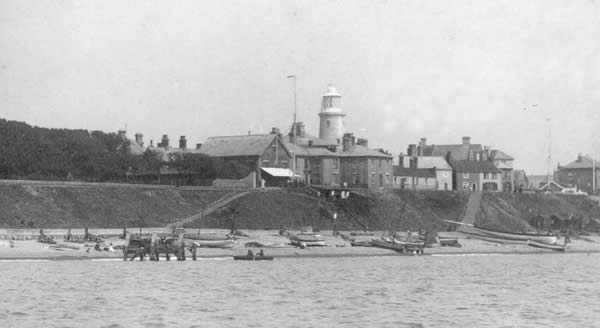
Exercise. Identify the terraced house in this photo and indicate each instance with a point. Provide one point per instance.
(474, 167)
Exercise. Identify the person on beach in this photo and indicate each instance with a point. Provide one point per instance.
(261, 253)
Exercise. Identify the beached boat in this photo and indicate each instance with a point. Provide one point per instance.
(363, 243)
(216, 243)
(409, 244)
(307, 240)
(253, 258)
(540, 238)
(554, 247)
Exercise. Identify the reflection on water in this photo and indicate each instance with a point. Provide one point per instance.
(492, 291)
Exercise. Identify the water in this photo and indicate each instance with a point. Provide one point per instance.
(559, 290)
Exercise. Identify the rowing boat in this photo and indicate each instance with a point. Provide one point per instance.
(226, 243)
(307, 240)
(253, 258)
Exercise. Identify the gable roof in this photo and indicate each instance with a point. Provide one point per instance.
(474, 166)
(500, 155)
(428, 162)
(582, 162)
(458, 152)
(362, 151)
(410, 172)
(244, 145)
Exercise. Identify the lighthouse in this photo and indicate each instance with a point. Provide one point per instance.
(331, 125)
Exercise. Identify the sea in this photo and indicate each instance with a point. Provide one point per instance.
(553, 290)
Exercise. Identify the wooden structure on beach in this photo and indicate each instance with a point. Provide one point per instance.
(155, 246)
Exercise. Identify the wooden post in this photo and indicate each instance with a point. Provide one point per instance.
(167, 255)
(153, 247)
(194, 252)
(180, 248)
(125, 253)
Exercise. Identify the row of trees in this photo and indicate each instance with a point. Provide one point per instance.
(36, 153)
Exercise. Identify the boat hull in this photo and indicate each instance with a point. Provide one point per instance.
(545, 239)
(252, 258)
(228, 243)
(558, 248)
(308, 240)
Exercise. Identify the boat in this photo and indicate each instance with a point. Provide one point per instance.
(554, 247)
(452, 242)
(400, 248)
(474, 230)
(545, 239)
(307, 240)
(216, 243)
(362, 243)
(253, 258)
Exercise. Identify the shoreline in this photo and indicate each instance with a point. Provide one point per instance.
(289, 256)
(32, 250)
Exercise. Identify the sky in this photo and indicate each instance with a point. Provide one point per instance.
(509, 74)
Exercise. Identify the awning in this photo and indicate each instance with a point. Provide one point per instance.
(279, 172)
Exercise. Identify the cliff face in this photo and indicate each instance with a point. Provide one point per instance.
(31, 205)
(100, 206)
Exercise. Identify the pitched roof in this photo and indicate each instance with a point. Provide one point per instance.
(500, 155)
(362, 151)
(474, 166)
(429, 162)
(582, 162)
(458, 152)
(244, 145)
(410, 172)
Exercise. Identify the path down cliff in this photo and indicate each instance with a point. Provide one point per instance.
(210, 209)
(473, 207)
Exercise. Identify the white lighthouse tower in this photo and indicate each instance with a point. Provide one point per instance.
(331, 116)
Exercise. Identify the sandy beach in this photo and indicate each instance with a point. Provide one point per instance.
(279, 247)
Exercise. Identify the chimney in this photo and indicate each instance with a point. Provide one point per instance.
(151, 143)
(348, 142)
(300, 130)
(362, 142)
(165, 141)
(401, 160)
(182, 142)
(139, 139)
(579, 158)
(414, 162)
(249, 132)
(486, 152)
(466, 140)
(198, 146)
(421, 148)
(122, 134)
(412, 150)
(310, 143)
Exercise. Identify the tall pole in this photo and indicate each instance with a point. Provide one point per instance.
(549, 148)
(294, 125)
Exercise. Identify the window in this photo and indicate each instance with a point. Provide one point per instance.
(466, 176)
(265, 162)
(445, 174)
(335, 164)
(355, 164)
(465, 186)
(380, 163)
(328, 123)
(486, 175)
(570, 174)
(494, 175)
(284, 164)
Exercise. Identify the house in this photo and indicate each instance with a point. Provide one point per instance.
(336, 157)
(520, 180)
(422, 172)
(579, 174)
(237, 157)
(475, 167)
(504, 163)
(476, 175)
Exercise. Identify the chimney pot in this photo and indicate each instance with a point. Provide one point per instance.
(198, 146)
(182, 142)
(466, 140)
